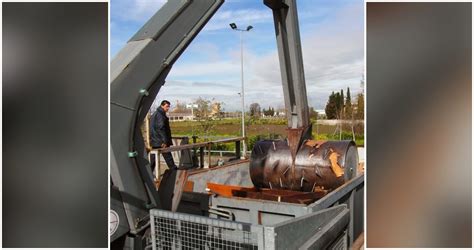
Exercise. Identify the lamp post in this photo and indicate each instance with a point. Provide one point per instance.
(242, 96)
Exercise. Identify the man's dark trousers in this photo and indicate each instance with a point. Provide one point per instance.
(168, 158)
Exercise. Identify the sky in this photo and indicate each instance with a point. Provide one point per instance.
(332, 36)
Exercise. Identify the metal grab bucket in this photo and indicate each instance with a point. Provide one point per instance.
(319, 165)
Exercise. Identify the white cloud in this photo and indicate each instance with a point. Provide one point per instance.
(189, 91)
(136, 10)
(210, 68)
(242, 18)
(142, 10)
(207, 50)
(333, 54)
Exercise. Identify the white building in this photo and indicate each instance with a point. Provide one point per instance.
(182, 116)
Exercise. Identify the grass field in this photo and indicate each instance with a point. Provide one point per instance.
(262, 129)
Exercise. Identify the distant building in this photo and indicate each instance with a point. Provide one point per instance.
(280, 112)
(231, 114)
(321, 113)
(181, 116)
(191, 105)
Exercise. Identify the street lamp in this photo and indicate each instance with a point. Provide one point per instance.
(234, 27)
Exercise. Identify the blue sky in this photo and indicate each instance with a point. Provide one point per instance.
(332, 34)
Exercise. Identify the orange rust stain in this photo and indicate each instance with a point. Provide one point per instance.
(318, 189)
(361, 167)
(314, 143)
(311, 143)
(226, 190)
(188, 187)
(338, 171)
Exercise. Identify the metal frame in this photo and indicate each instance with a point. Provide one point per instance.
(317, 230)
(137, 74)
(285, 16)
(268, 212)
(201, 147)
(185, 231)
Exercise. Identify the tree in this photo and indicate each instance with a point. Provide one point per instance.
(360, 107)
(179, 108)
(313, 114)
(269, 112)
(203, 109)
(255, 110)
(337, 102)
(340, 112)
(348, 105)
(332, 106)
(216, 110)
(205, 114)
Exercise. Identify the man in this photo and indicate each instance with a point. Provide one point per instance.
(161, 133)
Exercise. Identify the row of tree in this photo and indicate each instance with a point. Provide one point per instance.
(269, 112)
(339, 108)
(256, 111)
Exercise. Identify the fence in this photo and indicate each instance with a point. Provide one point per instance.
(171, 230)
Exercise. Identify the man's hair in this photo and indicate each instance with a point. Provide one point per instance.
(165, 102)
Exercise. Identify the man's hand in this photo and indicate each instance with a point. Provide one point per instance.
(164, 145)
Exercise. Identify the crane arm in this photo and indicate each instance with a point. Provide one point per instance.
(285, 16)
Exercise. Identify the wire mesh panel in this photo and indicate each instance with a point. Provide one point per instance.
(340, 243)
(184, 231)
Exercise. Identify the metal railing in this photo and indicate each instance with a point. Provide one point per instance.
(201, 146)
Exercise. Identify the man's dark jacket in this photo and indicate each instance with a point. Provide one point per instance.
(160, 129)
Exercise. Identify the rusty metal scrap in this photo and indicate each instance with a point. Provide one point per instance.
(317, 165)
(336, 168)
